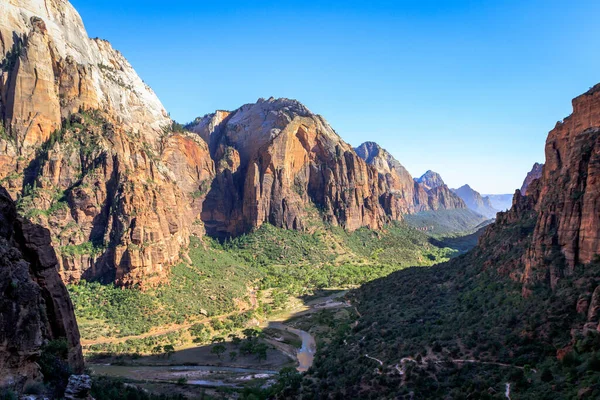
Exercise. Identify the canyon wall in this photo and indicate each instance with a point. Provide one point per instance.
(35, 306)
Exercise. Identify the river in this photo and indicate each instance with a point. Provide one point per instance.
(223, 376)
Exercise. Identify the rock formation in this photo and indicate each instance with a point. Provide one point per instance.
(35, 306)
(122, 180)
(275, 161)
(567, 232)
(476, 202)
(401, 193)
(430, 180)
(92, 155)
(535, 173)
(562, 204)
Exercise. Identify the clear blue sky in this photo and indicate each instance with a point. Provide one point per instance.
(467, 88)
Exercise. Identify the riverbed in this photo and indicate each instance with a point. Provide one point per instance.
(231, 376)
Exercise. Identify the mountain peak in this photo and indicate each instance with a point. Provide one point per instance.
(369, 150)
(282, 104)
(431, 179)
(475, 201)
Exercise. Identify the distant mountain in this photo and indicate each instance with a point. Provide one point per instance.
(430, 180)
(405, 195)
(476, 201)
(501, 202)
(535, 173)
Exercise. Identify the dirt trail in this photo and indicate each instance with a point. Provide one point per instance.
(489, 363)
(165, 329)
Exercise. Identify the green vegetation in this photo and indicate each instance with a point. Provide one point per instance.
(300, 262)
(447, 222)
(218, 279)
(116, 389)
(84, 248)
(54, 366)
(423, 323)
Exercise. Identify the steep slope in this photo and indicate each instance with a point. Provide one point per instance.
(275, 160)
(568, 225)
(402, 194)
(430, 180)
(34, 307)
(475, 201)
(119, 189)
(500, 202)
(516, 317)
(535, 173)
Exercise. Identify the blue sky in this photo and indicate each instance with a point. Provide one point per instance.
(467, 88)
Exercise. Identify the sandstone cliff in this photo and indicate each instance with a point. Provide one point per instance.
(535, 173)
(277, 162)
(35, 306)
(562, 203)
(401, 194)
(430, 180)
(121, 190)
(567, 232)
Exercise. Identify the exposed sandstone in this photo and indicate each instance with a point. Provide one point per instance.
(568, 226)
(274, 159)
(401, 194)
(430, 180)
(120, 179)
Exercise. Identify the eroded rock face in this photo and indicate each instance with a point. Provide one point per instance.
(275, 161)
(121, 179)
(430, 180)
(568, 228)
(401, 194)
(52, 69)
(563, 203)
(35, 306)
(535, 173)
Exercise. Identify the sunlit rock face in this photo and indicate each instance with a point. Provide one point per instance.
(567, 193)
(276, 162)
(401, 193)
(562, 202)
(90, 140)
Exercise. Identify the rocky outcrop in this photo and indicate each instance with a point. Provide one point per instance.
(78, 388)
(535, 173)
(277, 162)
(121, 190)
(35, 306)
(51, 69)
(562, 203)
(567, 232)
(401, 194)
(476, 202)
(430, 180)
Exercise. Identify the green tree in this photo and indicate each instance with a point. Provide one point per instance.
(218, 349)
(169, 350)
(261, 351)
